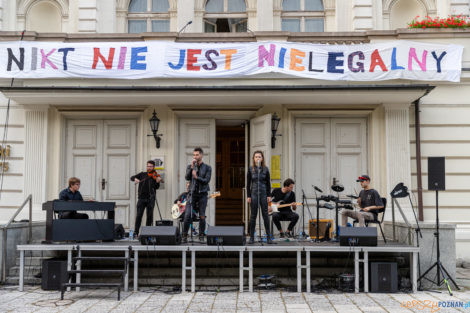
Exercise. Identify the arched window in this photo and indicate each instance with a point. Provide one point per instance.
(148, 16)
(224, 16)
(403, 12)
(44, 16)
(302, 16)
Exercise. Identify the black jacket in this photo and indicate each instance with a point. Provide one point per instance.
(252, 181)
(68, 195)
(147, 186)
(203, 177)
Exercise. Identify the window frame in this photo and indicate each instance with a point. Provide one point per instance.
(148, 16)
(302, 15)
(225, 15)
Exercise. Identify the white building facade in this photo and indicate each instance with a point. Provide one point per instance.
(97, 129)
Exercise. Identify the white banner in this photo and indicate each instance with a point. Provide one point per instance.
(154, 59)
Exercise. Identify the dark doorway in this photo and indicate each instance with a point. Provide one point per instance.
(230, 178)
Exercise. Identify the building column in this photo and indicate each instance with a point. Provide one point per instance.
(35, 154)
(398, 156)
(330, 15)
(363, 15)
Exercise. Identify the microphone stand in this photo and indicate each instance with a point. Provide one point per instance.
(317, 238)
(418, 232)
(259, 208)
(190, 201)
(304, 203)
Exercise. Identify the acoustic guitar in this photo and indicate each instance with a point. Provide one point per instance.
(177, 210)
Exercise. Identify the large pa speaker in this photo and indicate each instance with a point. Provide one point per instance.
(54, 273)
(436, 173)
(383, 277)
(358, 236)
(226, 235)
(160, 235)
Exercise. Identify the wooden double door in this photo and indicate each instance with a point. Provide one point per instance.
(102, 154)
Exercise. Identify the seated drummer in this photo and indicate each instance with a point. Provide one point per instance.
(286, 195)
(72, 194)
(369, 201)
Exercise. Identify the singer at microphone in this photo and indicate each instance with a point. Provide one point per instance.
(258, 193)
(199, 173)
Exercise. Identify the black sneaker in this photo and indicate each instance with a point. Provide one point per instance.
(252, 240)
(289, 234)
(201, 238)
(184, 238)
(269, 240)
(281, 235)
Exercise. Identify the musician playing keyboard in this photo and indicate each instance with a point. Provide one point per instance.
(285, 195)
(72, 194)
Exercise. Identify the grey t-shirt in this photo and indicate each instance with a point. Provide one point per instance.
(370, 198)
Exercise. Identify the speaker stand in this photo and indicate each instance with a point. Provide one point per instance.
(440, 269)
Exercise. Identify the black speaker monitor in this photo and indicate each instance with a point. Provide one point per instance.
(54, 274)
(383, 277)
(226, 235)
(358, 236)
(160, 235)
(436, 173)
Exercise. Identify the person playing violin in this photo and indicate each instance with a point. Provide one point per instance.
(149, 182)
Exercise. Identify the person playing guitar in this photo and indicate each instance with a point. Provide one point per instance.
(285, 195)
(149, 182)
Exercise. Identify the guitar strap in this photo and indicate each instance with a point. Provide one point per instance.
(286, 197)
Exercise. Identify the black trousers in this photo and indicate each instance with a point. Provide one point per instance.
(285, 216)
(254, 213)
(143, 204)
(198, 204)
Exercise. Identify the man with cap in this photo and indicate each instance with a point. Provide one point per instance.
(369, 201)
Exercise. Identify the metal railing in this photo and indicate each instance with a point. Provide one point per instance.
(7, 225)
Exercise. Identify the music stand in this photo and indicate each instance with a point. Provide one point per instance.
(401, 191)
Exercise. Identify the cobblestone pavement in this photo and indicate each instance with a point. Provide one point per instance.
(33, 299)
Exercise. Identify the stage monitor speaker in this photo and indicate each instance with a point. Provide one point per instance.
(383, 277)
(436, 173)
(358, 236)
(118, 231)
(54, 273)
(226, 235)
(164, 223)
(160, 235)
(324, 229)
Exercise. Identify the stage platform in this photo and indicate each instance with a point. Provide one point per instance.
(302, 248)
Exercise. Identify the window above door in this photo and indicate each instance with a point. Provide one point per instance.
(302, 16)
(148, 16)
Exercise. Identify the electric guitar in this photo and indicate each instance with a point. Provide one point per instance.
(275, 206)
(177, 210)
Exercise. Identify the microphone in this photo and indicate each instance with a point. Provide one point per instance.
(184, 27)
(317, 189)
(258, 163)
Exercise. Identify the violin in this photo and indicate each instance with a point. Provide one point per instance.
(153, 174)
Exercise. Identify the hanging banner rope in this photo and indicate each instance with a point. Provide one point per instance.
(155, 59)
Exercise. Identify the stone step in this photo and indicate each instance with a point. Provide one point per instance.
(33, 261)
(45, 254)
(28, 270)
